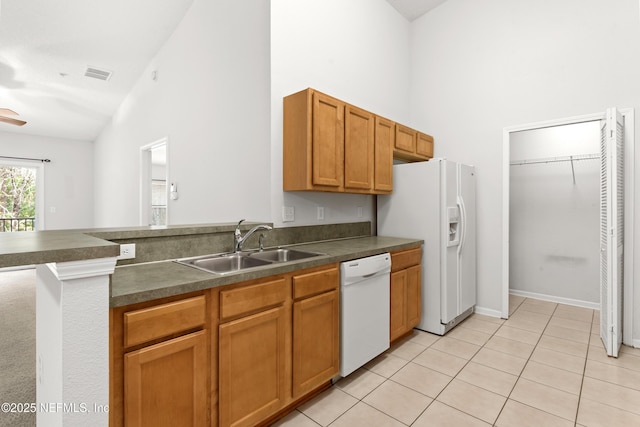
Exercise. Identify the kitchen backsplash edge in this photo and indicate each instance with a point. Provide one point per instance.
(184, 243)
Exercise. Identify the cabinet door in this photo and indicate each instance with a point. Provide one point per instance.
(166, 384)
(405, 139)
(358, 149)
(316, 341)
(383, 159)
(398, 296)
(424, 145)
(328, 141)
(414, 296)
(252, 354)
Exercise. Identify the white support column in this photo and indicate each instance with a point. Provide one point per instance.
(72, 343)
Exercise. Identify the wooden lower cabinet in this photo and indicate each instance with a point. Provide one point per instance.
(252, 360)
(398, 296)
(316, 341)
(166, 384)
(414, 296)
(406, 292)
(278, 342)
(237, 355)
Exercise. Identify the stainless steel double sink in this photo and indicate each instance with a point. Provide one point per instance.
(237, 261)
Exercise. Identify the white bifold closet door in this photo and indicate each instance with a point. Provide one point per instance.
(611, 230)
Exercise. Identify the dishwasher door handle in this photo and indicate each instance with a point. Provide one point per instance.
(356, 280)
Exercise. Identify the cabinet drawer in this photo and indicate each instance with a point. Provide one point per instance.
(314, 283)
(239, 301)
(404, 259)
(151, 323)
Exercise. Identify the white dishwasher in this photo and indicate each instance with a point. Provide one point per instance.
(364, 312)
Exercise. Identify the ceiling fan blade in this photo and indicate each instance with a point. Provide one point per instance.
(8, 112)
(12, 121)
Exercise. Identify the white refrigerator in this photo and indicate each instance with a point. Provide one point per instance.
(436, 201)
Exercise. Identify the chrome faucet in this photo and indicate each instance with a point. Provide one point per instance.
(239, 239)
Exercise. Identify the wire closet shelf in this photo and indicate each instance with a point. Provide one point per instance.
(562, 159)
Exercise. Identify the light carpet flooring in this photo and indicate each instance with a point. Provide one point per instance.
(17, 344)
(545, 366)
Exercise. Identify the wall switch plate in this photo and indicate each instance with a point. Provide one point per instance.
(127, 251)
(288, 214)
(320, 213)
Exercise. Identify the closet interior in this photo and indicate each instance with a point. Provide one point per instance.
(555, 213)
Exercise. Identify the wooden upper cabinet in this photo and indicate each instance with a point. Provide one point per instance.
(412, 145)
(313, 142)
(424, 145)
(330, 145)
(358, 149)
(328, 141)
(405, 139)
(384, 142)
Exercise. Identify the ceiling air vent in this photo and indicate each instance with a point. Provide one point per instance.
(97, 73)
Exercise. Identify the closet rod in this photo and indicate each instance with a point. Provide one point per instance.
(26, 158)
(556, 159)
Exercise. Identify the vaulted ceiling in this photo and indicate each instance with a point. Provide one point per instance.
(47, 48)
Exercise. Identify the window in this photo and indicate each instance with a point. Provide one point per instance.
(17, 198)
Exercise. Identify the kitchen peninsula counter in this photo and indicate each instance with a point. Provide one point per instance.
(132, 283)
(79, 279)
(42, 247)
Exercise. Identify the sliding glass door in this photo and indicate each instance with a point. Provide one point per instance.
(20, 196)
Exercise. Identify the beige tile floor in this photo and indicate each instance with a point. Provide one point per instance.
(545, 366)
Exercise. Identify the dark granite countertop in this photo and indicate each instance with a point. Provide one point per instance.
(40, 247)
(144, 282)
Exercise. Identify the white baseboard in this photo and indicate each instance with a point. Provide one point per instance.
(487, 312)
(561, 300)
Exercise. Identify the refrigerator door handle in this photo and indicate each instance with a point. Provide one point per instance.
(463, 223)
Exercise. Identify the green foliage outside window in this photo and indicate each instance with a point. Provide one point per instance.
(17, 198)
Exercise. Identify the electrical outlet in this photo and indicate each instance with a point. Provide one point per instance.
(127, 251)
(320, 213)
(360, 214)
(288, 214)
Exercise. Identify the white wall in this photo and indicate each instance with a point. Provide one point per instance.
(481, 66)
(554, 222)
(68, 198)
(211, 100)
(356, 51)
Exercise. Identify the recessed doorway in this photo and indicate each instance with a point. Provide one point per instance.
(154, 210)
(629, 214)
